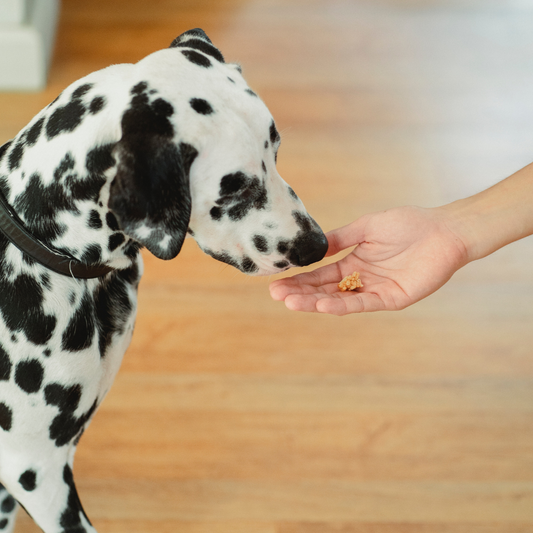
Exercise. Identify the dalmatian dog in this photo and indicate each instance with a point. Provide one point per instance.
(128, 157)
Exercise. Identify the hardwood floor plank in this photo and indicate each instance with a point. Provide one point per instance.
(325, 527)
(319, 394)
(316, 501)
(368, 445)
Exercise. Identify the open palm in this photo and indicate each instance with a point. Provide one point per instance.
(402, 255)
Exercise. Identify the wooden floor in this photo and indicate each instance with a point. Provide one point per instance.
(232, 414)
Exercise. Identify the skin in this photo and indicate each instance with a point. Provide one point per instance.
(407, 253)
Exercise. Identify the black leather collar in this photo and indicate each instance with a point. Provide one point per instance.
(13, 228)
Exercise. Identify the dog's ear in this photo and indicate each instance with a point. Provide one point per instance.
(150, 193)
(198, 40)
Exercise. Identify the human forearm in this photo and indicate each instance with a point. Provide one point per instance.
(495, 217)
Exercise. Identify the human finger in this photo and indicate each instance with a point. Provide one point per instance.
(280, 291)
(341, 238)
(338, 304)
(316, 278)
(353, 302)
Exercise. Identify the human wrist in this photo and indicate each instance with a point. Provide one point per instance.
(495, 217)
(465, 220)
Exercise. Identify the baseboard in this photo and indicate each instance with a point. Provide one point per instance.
(26, 49)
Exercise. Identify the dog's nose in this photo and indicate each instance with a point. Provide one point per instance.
(308, 248)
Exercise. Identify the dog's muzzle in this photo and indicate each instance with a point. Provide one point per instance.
(308, 248)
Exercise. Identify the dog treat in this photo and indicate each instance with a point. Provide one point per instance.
(350, 283)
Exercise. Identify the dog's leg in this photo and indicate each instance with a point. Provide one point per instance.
(8, 511)
(48, 494)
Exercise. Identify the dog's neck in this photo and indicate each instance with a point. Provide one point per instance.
(64, 205)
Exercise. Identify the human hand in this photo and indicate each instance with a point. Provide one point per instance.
(402, 255)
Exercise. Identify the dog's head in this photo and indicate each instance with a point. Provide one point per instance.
(197, 155)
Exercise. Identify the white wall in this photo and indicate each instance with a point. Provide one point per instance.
(27, 33)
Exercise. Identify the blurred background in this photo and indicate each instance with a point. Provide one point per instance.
(232, 414)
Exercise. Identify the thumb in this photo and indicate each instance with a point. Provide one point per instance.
(349, 235)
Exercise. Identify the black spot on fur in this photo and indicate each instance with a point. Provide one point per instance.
(111, 221)
(33, 133)
(281, 264)
(139, 88)
(65, 165)
(5, 365)
(21, 306)
(6, 417)
(39, 205)
(303, 221)
(92, 255)
(79, 333)
(65, 426)
(8, 504)
(266, 144)
(100, 159)
(201, 106)
(283, 247)
(95, 221)
(223, 257)
(88, 187)
(239, 194)
(113, 306)
(66, 399)
(204, 47)
(249, 266)
(274, 135)
(162, 108)
(47, 352)
(28, 480)
(3, 523)
(45, 282)
(15, 156)
(5, 266)
(292, 193)
(115, 241)
(67, 118)
(196, 58)
(232, 81)
(97, 104)
(260, 243)
(29, 375)
(27, 259)
(249, 91)
(263, 166)
(81, 91)
(232, 183)
(132, 249)
(4, 148)
(70, 519)
(216, 213)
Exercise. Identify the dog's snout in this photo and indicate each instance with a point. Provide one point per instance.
(308, 248)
